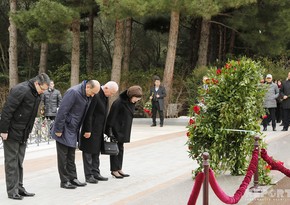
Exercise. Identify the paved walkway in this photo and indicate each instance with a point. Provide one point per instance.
(156, 159)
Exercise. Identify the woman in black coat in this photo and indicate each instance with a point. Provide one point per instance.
(119, 125)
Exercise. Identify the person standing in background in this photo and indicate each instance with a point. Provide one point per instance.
(17, 120)
(157, 94)
(285, 93)
(270, 102)
(51, 100)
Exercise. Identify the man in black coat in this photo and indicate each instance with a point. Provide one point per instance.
(285, 93)
(16, 123)
(51, 100)
(92, 133)
(157, 94)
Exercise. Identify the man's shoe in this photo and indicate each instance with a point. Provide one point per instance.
(67, 185)
(15, 196)
(161, 125)
(100, 177)
(153, 125)
(274, 129)
(25, 193)
(265, 129)
(76, 182)
(92, 180)
(284, 129)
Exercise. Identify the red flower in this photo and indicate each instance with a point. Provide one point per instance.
(228, 65)
(214, 81)
(196, 109)
(188, 134)
(218, 71)
(191, 121)
(268, 167)
(265, 116)
(190, 147)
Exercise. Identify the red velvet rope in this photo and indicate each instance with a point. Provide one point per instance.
(274, 164)
(240, 192)
(196, 189)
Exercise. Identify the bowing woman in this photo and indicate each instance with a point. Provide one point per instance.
(119, 124)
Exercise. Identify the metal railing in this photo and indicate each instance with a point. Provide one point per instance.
(40, 132)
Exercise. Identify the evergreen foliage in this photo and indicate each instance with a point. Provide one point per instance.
(233, 100)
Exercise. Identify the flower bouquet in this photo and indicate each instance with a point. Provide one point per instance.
(148, 108)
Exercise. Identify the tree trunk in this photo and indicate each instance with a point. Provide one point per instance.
(43, 58)
(203, 44)
(90, 59)
(232, 42)
(220, 43)
(127, 47)
(13, 68)
(118, 53)
(75, 55)
(170, 58)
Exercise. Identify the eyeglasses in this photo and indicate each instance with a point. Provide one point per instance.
(43, 89)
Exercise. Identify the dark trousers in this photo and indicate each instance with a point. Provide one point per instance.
(155, 108)
(14, 153)
(116, 161)
(271, 113)
(286, 114)
(66, 162)
(279, 113)
(91, 164)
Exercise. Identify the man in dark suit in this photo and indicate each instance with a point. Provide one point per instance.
(16, 123)
(92, 134)
(157, 94)
(285, 93)
(66, 128)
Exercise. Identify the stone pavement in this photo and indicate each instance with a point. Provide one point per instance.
(156, 159)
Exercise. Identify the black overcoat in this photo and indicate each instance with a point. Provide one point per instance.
(19, 111)
(285, 90)
(120, 118)
(95, 123)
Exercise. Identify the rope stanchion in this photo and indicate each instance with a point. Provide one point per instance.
(256, 188)
(240, 192)
(196, 189)
(206, 178)
(273, 164)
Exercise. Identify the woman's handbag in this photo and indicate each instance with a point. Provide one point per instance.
(109, 148)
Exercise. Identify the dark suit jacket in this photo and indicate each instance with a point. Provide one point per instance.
(285, 90)
(161, 92)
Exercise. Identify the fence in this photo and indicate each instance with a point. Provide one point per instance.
(40, 132)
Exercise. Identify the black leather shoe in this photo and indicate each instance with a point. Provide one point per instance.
(161, 125)
(153, 125)
(67, 185)
(92, 180)
(76, 182)
(15, 196)
(265, 129)
(117, 176)
(284, 129)
(100, 177)
(123, 174)
(274, 129)
(25, 193)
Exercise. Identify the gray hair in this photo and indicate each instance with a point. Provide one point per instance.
(112, 85)
(42, 78)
